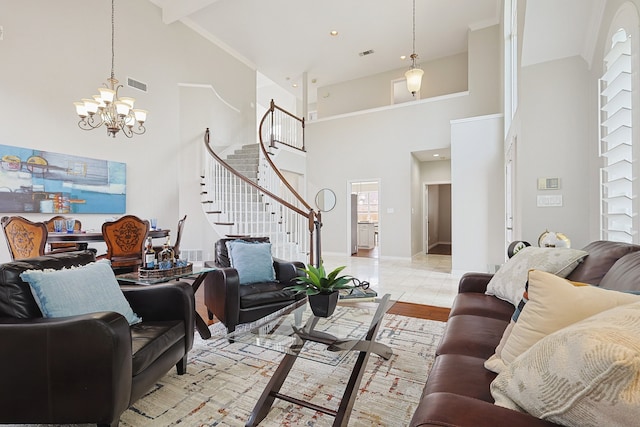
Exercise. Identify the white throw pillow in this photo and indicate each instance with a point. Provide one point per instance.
(587, 374)
(552, 303)
(508, 282)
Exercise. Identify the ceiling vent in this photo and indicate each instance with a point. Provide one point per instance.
(366, 52)
(136, 84)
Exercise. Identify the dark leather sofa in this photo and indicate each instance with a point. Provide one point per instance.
(88, 368)
(457, 391)
(234, 304)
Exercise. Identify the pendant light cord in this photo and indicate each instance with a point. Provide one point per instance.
(414, 27)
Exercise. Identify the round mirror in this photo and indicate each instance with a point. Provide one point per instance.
(325, 200)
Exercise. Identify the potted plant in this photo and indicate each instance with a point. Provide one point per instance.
(322, 289)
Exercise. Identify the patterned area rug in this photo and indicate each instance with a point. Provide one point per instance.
(224, 381)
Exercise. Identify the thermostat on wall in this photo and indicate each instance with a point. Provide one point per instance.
(548, 183)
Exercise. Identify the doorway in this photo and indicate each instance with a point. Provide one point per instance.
(364, 202)
(437, 217)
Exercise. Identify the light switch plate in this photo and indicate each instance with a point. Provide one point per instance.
(549, 201)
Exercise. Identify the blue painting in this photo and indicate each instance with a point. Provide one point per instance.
(34, 181)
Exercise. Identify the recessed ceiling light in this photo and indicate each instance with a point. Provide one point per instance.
(295, 85)
(436, 155)
(333, 33)
(403, 57)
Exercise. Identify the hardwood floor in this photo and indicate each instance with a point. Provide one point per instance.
(419, 311)
(441, 249)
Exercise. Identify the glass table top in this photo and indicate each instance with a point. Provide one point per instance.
(134, 278)
(295, 330)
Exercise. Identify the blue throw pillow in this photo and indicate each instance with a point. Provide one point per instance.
(252, 260)
(78, 290)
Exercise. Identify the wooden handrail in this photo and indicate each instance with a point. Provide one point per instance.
(247, 180)
(313, 217)
(272, 165)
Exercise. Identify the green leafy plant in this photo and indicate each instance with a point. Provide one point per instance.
(317, 281)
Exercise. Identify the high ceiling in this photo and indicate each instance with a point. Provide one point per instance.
(283, 39)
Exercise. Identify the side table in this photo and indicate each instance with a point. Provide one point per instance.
(198, 274)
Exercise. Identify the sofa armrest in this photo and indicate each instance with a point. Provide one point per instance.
(165, 301)
(75, 365)
(454, 410)
(474, 282)
(222, 293)
(286, 271)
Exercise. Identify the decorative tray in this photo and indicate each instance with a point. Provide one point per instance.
(157, 273)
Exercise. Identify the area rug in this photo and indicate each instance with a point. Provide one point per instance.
(224, 381)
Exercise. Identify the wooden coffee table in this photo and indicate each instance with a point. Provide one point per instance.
(296, 332)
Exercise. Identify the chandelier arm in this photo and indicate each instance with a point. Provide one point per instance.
(126, 130)
(138, 129)
(89, 123)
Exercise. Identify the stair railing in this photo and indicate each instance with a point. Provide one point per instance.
(248, 208)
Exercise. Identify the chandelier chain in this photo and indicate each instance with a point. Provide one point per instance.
(113, 30)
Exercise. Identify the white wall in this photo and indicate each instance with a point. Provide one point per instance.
(54, 53)
(441, 76)
(477, 193)
(555, 140)
(378, 144)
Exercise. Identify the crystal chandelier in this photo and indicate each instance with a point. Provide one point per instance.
(107, 108)
(414, 74)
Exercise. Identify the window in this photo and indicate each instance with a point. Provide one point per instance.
(510, 61)
(616, 143)
(368, 206)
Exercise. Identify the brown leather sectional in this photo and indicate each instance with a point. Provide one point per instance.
(457, 391)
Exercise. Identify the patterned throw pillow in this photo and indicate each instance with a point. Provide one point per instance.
(587, 374)
(508, 282)
(553, 303)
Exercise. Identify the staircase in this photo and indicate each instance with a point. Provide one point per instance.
(245, 161)
(245, 195)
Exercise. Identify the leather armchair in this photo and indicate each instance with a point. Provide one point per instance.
(234, 304)
(88, 368)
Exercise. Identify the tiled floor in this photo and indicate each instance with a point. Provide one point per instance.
(425, 279)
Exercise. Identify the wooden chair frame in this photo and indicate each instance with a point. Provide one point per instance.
(125, 239)
(25, 239)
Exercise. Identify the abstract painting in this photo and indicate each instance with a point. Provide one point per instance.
(34, 181)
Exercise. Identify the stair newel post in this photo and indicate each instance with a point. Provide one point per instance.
(318, 224)
(312, 216)
(272, 109)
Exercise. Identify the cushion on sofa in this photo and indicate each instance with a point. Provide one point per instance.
(475, 336)
(16, 298)
(508, 282)
(553, 303)
(78, 290)
(624, 274)
(252, 260)
(480, 304)
(602, 256)
(587, 374)
(460, 374)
